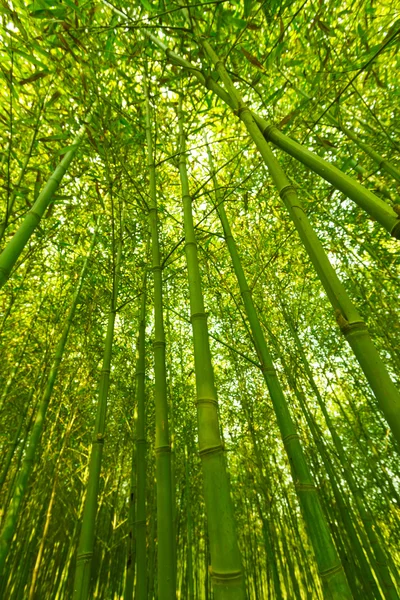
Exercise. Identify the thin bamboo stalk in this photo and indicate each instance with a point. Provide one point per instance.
(11, 518)
(85, 549)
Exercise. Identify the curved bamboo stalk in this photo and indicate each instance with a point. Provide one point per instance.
(373, 205)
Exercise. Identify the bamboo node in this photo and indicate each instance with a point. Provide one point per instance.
(84, 556)
(211, 450)
(288, 189)
(290, 437)
(304, 487)
(223, 577)
(329, 572)
(207, 401)
(350, 328)
(242, 109)
(268, 370)
(267, 131)
(199, 315)
(161, 449)
(159, 344)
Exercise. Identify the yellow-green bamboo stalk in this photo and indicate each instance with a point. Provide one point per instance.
(11, 518)
(15, 246)
(226, 568)
(373, 205)
(165, 529)
(84, 557)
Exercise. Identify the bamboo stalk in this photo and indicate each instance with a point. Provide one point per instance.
(226, 569)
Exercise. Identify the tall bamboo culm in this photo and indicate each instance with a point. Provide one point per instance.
(348, 319)
(226, 567)
(84, 557)
(11, 518)
(330, 569)
(165, 529)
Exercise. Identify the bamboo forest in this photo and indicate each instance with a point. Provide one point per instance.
(199, 306)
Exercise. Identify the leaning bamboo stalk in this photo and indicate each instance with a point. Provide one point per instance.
(11, 518)
(226, 569)
(351, 325)
(330, 568)
(365, 199)
(15, 246)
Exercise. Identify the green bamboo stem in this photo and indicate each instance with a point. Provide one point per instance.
(131, 550)
(380, 563)
(165, 528)
(85, 549)
(226, 569)
(349, 321)
(330, 569)
(11, 517)
(43, 537)
(11, 200)
(15, 246)
(382, 163)
(141, 557)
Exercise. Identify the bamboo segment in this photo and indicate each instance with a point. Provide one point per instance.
(15, 246)
(226, 569)
(165, 547)
(87, 535)
(349, 321)
(11, 518)
(330, 569)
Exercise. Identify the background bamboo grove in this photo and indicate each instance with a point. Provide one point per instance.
(199, 235)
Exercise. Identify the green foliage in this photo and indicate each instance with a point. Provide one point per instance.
(326, 75)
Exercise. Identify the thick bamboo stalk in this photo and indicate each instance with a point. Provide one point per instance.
(11, 518)
(226, 569)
